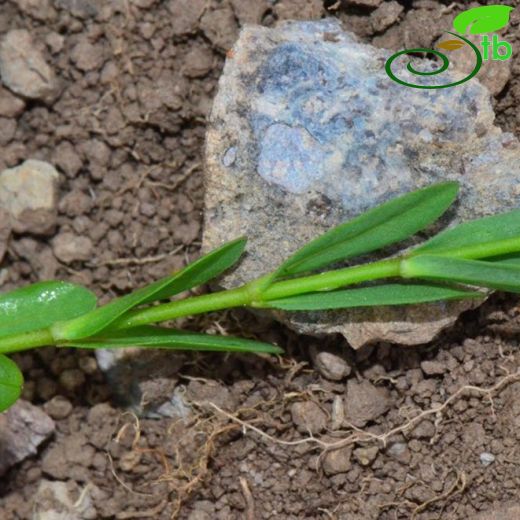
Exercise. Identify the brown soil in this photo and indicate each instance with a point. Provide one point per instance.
(127, 132)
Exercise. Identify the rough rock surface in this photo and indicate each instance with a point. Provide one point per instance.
(22, 429)
(29, 194)
(307, 130)
(23, 68)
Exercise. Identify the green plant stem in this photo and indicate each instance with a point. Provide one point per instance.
(25, 341)
(258, 293)
(474, 252)
(249, 295)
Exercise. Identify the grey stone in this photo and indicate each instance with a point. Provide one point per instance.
(365, 402)
(82, 9)
(307, 131)
(38, 9)
(23, 427)
(337, 461)
(424, 430)
(54, 501)
(29, 194)
(68, 247)
(10, 105)
(400, 452)
(330, 365)
(87, 56)
(365, 456)
(308, 417)
(385, 15)
(486, 458)
(23, 68)
(433, 368)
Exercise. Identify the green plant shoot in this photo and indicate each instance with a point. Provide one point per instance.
(455, 264)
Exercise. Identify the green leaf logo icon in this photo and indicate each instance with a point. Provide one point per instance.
(482, 19)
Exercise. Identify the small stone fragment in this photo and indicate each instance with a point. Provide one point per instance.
(220, 27)
(400, 452)
(87, 56)
(23, 427)
(58, 407)
(249, 12)
(38, 9)
(55, 42)
(186, 15)
(364, 3)
(5, 232)
(66, 158)
(72, 379)
(338, 413)
(210, 391)
(385, 15)
(10, 105)
(29, 193)
(365, 402)
(308, 417)
(7, 130)
(198, 62)
(23, 68)
(337, 461)
(486, 458)
(424, 430)
(330, 365)
(68, 247)
(365, 456)
(81, 9)
(299, 9)
(433, 368)
(53, 501)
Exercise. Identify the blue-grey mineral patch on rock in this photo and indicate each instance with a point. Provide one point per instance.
(307, 130)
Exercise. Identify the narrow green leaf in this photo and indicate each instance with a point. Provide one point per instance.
(11, 382)
(39, 305)
(474, 272)
(203, 270)
(156, 337)
(476, 234)
(388, 294)
(512, 259)
(195, 274)
(391, 222)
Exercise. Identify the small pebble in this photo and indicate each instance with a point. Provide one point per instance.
(330, 365)
(58, 407)
(486, 458)
(308, 417)
(433, 368)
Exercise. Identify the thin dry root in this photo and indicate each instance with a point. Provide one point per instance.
(458, 487)
(185, 478)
